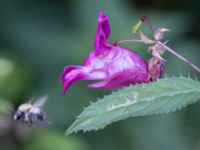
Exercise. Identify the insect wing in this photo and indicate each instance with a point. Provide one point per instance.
(40, 124)
(39, 103)
(31, 100)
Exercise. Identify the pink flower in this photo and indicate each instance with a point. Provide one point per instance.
(112, 65)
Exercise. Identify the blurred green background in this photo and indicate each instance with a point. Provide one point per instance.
(39, 37)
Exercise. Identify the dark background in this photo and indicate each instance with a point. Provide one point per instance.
(39, 37)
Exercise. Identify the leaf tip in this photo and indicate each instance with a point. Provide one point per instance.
(68, 132)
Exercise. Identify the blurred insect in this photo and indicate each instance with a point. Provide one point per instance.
(32, 113)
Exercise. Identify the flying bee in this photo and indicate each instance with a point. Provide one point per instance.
(31, 113)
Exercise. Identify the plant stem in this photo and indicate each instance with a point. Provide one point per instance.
(128, 40)
(178, 55)
(145, 18)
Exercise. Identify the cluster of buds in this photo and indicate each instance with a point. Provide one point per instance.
(115, 66)
(156, 63)
(156, 67)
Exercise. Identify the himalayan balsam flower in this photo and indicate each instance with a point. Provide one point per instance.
(112, 65)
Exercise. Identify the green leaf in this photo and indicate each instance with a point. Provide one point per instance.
(163, 96)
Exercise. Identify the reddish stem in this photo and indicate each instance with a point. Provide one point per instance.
(179, 56)
(145, 18)
(128, 40)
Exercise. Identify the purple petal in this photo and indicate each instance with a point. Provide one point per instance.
(122, 67)
(102, 33)
(120, 79)
(72, 74)
(66, 71)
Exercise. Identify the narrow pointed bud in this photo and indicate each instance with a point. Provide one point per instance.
(159, 33)
(136, 28)
(156, 69)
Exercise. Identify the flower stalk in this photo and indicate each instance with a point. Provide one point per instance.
(179, 56)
